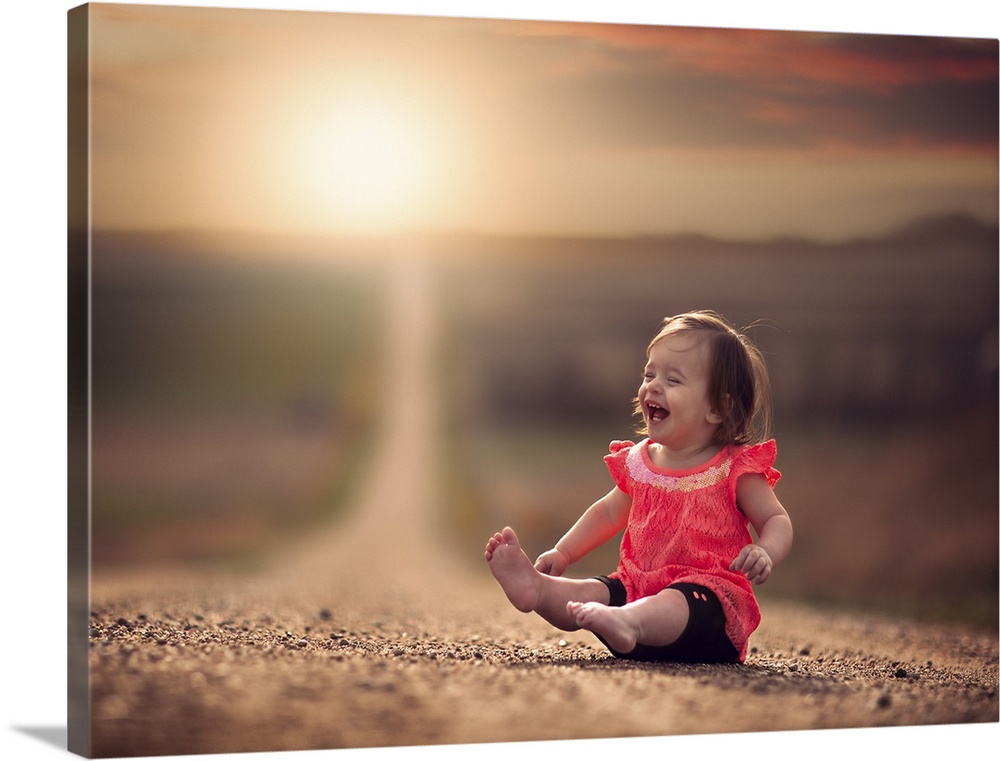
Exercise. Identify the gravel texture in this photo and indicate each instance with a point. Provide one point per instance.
(198, 665)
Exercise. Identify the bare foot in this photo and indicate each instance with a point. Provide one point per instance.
(610, 623)
(514, 570)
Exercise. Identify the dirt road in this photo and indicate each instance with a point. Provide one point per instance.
(370, 634)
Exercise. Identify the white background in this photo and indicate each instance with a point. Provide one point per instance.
(32, 329)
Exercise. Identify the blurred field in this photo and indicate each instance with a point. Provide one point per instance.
(235, 383)
(231, 392)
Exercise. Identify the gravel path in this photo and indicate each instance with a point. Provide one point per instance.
(370, 634)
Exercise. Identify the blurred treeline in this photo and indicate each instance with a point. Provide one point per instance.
(886, 329)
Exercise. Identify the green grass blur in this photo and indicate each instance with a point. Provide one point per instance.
(231, 393)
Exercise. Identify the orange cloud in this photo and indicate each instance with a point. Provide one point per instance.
(865, 61)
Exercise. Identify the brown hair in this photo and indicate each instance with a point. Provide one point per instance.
(738, 387)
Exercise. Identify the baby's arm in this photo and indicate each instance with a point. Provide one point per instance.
(771, 523)
(599, 523)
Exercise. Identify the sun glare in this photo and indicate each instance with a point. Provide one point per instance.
(366, 164)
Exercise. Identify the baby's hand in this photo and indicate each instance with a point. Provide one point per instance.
(754, 562)
(552, 562)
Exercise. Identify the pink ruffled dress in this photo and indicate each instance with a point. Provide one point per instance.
(684, 525)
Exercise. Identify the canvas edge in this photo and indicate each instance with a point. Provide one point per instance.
(78, 379)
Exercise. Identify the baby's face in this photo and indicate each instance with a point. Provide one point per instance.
(674, 392)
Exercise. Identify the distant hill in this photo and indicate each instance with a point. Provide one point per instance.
(141, 249)
(948, 228)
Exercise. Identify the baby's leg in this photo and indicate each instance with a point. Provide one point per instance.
(530, 590)
(656, 621)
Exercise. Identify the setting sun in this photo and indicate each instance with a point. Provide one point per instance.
(364, 162)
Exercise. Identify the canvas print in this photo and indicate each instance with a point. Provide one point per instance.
(453, 381)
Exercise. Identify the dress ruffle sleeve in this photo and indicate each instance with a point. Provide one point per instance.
(757, 458)
(616, 463)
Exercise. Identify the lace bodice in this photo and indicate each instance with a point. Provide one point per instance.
(686, 526)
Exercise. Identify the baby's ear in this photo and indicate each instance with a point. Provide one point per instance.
(721, 410)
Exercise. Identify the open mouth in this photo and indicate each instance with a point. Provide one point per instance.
(655, 412)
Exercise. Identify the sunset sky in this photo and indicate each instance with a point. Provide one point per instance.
(335, 122)
(172, 150)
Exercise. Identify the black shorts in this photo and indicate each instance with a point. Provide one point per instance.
(704, 639)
